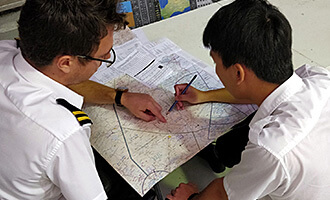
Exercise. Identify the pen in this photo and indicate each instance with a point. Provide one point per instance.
(184, 91)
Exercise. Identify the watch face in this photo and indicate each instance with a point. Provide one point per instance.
(124, 89)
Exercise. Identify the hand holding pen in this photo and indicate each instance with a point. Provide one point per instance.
(177, 89)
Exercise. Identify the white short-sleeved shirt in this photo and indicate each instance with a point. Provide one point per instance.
(44, 152)
(287, 156)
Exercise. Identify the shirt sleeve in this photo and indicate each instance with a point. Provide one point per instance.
(258, 174)
(73, 169)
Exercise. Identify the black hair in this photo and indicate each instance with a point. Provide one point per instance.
(48, 28)
(254, 33)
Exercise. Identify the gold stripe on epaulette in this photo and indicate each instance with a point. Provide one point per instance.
(80, 115)
(83, 118)
(79, 112)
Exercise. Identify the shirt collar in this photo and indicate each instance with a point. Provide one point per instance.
(35, 77)
(281, 93)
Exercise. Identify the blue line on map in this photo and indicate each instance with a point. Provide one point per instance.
(196, 140)
(208, 87)
(122, 132)
(204, 81)
(144, 180)
(179, 12)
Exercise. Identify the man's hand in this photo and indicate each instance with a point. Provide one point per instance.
(182, 192)
(142, 106)
(191, 95)
(214, 191)
(195, 96)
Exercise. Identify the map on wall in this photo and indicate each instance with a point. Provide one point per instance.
(170, 8)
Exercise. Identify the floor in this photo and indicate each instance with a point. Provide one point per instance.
(311, 39)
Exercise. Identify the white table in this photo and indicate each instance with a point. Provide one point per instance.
(310, 21)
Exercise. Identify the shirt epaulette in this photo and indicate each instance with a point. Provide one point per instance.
(81, 116)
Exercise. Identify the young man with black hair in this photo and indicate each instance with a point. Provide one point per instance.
(45, 151)
(286, 156)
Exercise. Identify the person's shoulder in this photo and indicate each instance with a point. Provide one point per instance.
(63, 122)
(56, 119)
(280, 131)
(308, 71)
(315, 91)
(293, 114)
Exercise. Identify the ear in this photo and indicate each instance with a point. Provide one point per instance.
(240, 73)
(64, 63)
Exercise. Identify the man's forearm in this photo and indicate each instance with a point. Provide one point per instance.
(94, 92)
(221, 95)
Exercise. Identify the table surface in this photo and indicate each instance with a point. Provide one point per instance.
(309, 20)
(10, 4)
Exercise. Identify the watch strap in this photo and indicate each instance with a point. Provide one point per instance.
(119, 93)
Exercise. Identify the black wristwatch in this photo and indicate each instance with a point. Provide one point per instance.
(119, 93)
